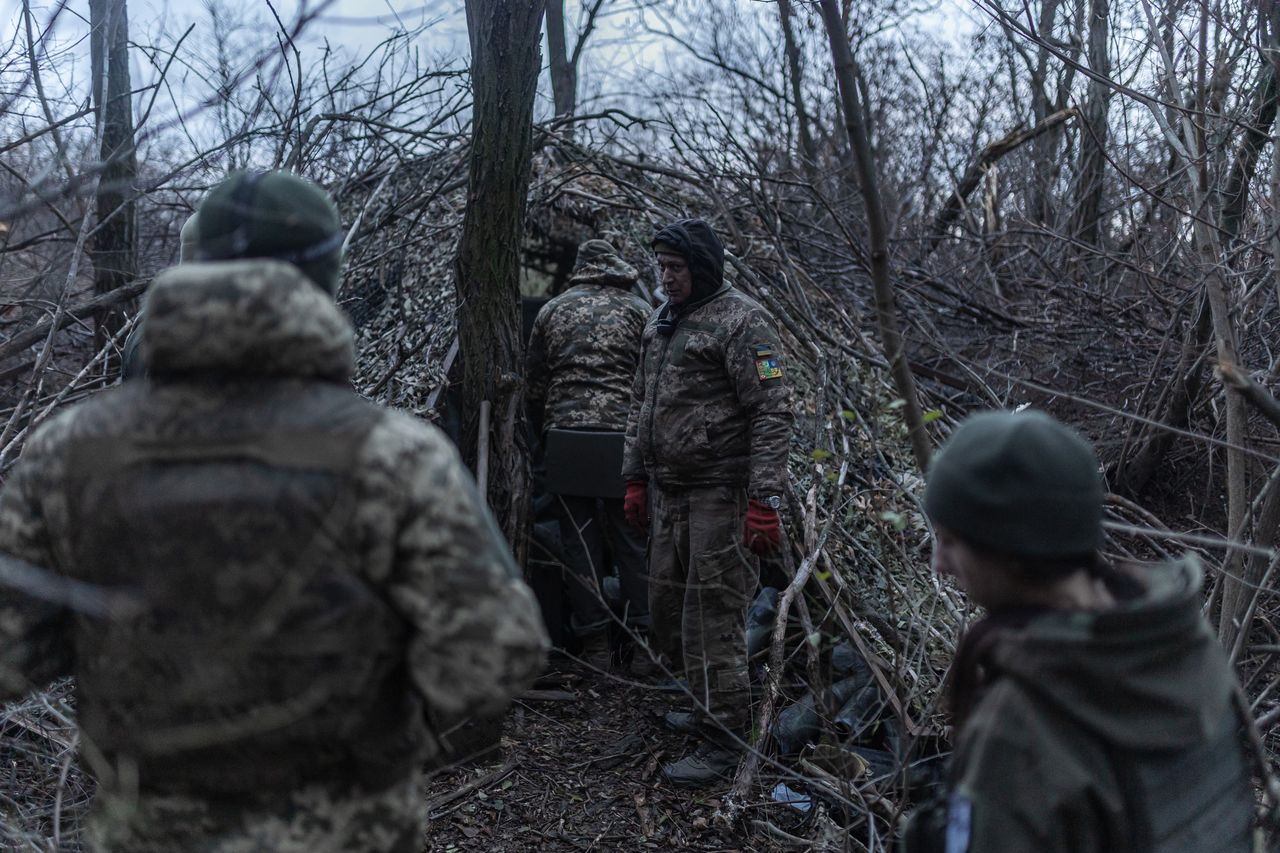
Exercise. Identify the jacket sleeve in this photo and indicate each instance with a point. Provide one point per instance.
(35, 645)
(537, 372)
(755, 365)
(477, 636)
(1018, 785)
(632, 455)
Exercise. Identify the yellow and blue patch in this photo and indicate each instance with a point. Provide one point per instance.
(767, 366)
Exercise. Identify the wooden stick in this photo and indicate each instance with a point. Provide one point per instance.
(474, 785)
(482, 451)
(1257, 396)
(973, 175)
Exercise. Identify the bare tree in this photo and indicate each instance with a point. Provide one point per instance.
(505, 60)
(1086, 222)
(113, 242)
(795, 76)
(877, 231)
(565, 60)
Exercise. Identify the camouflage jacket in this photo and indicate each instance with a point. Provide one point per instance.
(582, 358)
(313, 569)
(711, 404)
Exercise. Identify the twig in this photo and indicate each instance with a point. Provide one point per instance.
(487, 779)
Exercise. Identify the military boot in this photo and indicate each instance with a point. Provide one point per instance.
(706, 765)
(683, 722)
(595, 650)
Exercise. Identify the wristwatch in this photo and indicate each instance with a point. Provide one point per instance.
(771, 501)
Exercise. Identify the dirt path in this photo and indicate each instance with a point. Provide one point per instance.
(576, 775)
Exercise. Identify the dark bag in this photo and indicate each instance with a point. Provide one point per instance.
(585, 463)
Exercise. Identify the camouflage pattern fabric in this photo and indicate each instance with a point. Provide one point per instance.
(701, 582)
(599, 263)
(249, 355)
(711, 402)
(314, 819)
(582, 358)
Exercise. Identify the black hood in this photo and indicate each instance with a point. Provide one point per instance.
(701, 248)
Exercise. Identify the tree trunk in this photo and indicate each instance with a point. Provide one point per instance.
(505, 61)
(1091, 175)
(112, 250)
(877, 231)
(564, 74)
(795, 74)
(1137, 471)
(1044, 149)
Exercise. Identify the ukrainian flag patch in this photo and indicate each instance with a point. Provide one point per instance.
(767, 366)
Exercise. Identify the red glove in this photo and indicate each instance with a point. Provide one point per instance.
(760, 533)
(635, 506)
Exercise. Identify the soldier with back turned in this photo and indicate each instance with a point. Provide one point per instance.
(318, 580)
(582, 360)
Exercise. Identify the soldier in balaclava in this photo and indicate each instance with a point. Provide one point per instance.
(706, 465)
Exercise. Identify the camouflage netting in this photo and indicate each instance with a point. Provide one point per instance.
(854, 505)
(853, 509)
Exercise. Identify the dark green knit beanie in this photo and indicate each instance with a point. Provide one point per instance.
(272, 215)
(1019, 483)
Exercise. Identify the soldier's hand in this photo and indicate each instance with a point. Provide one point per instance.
(635, 506)
(760, 531)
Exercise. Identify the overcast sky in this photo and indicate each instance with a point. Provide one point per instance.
(356, 26)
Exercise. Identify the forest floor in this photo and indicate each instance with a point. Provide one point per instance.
(581, 772)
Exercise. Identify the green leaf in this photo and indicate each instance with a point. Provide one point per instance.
(932, 415)
(832, 476)
(848, 414)
(897, 404)
(815, 639)
(897, 519)
(822, 575)
(819, 454)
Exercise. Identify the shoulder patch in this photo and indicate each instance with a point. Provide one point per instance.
(959, 823)
(767, 366)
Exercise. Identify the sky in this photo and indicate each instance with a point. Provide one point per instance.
(355, 27)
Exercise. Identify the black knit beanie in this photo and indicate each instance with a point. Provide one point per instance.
(1019, 483)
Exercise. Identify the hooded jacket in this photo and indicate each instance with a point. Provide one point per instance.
(318, 576)
(582, 357)
(697, 243)
(711, 402)
(1105, 731)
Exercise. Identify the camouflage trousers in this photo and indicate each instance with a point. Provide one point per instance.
(701, 581)
(308, 820)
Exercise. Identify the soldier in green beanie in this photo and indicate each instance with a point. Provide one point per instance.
(273, 215)
(1093, 710)
(321, 582)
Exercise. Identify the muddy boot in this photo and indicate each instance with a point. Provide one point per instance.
(595, 651)
(683, 722)
(706, 765)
